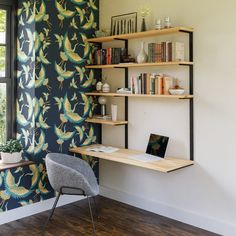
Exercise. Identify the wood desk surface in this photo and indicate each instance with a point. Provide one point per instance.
(166, 165)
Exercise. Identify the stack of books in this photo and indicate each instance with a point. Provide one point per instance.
(165, 52)
(107, 56)
(147, 83)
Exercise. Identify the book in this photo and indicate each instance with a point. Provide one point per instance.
(159, 84)
(147, 83)
(165, 51)
(167, 84)
(177, 51)
(105, 149)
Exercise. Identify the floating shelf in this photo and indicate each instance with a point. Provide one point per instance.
(4, 166)
(106, 122)
(168, 164)
(184, 96)
(145, 34)
(130, 65)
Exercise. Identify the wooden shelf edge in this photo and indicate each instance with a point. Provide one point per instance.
(130, 65)
(4, 166)
(167, 165)
(145, 34)
(184, 96)
(106, 122)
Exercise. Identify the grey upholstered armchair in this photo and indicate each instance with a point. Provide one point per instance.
(73, 176)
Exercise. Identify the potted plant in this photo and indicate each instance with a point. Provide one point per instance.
(11, 151)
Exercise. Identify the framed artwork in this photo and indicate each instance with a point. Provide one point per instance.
(124, 24)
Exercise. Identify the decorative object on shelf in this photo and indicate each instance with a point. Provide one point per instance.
(114, 112)
(99, 86)
(125, 57)
(102, 33)
(158, 24)
(174, 91)
(106, 117)
(144, 12)
(124, 24)
(167, 23)
(106, 88)
(102, 101)
(11, 152)
(142, 56)
(124, 91)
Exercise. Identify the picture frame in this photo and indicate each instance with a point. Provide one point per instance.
(124, 24)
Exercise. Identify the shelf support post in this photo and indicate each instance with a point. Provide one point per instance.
(191, 101)
(126, 109)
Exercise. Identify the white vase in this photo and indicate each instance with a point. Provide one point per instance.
(142, 56)
(10, 158)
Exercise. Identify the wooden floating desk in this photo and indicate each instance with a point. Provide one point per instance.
(166, 165)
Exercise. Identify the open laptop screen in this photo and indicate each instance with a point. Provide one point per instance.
(157, 145)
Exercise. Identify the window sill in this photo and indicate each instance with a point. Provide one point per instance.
(14, 165)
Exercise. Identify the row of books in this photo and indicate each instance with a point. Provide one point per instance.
(107, 56)
(165, 52)
(147, 83)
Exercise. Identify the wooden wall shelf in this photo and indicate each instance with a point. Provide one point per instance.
(106, 122)
(135, 65)
(184, 96)
(138, 35)
(14, 165)
(166, 165)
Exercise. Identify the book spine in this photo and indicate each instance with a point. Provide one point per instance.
(152, 84)
(167, 84)
(139, 85)
(178, 51)
(145, 83)
(170, 51)
(163, 52)
(160, 84)
(99, 57)
(156, 84)
(148, 83)
(159, 52)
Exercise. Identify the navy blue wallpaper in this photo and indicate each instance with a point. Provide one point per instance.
(52, 80)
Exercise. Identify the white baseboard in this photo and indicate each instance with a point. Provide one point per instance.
(32, 209)
(204, 222)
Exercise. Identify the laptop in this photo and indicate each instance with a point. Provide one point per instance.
(156, 149)
(157, 145)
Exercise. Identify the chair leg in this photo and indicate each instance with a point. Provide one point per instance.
(91, 214)
(51, 214)
(96, 208)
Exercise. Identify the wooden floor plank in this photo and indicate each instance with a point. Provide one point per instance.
(115, 219)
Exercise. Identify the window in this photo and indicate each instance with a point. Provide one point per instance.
(6, 72)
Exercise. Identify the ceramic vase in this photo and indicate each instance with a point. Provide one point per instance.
(142, 56)
(143, 25)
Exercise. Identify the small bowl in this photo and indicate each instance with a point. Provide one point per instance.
(176, 91)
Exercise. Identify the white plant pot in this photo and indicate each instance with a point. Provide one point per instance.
(10, 158)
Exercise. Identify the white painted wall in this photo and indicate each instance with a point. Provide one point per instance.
(205, 194)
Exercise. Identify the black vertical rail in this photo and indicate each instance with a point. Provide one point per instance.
(126, 109)
(191, 103)
(100, 76)
(126, 100)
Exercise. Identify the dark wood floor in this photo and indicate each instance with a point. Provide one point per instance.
(115, 219)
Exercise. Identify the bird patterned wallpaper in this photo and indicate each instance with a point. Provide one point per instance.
(52, 81)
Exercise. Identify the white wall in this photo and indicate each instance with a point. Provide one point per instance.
(205, 194)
